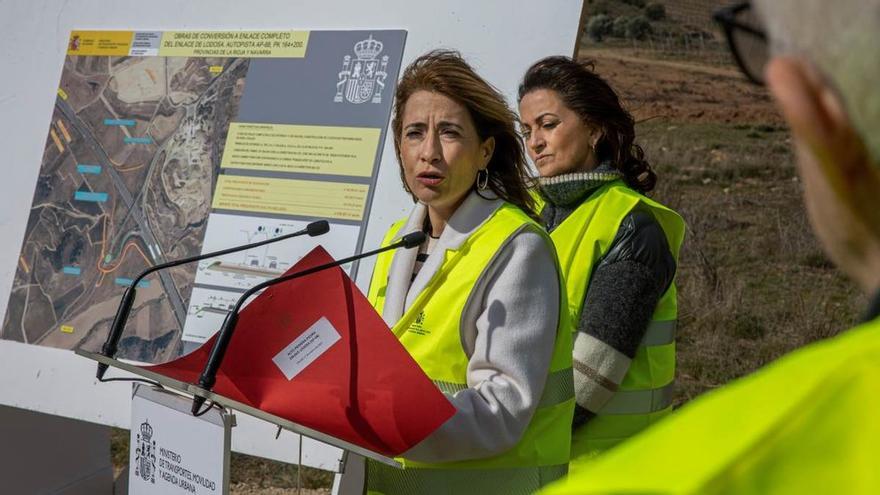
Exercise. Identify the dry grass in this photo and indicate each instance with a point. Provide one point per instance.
(753, 281)
(250, 473)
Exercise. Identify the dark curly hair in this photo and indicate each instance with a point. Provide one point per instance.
(446, 72)
(588, 95)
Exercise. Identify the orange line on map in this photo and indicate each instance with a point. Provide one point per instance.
(57, 141)
(129, 169)
(24, 264)
(104, 238)
(131, 244)
(63, 130)
(121, 257)
(150, 73)
(120, 169)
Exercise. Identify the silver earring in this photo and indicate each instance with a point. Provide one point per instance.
(482, 179)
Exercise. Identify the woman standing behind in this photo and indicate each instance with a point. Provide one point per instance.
(617, 250)
(479, 305)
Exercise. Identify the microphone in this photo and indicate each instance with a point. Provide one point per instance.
(209, 373)
(111, 344)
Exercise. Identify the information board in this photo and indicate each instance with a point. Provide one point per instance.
(498, 39)
(164, 145)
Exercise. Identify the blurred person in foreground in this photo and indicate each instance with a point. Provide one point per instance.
(806, 423)
(479, 306)
(617, 249)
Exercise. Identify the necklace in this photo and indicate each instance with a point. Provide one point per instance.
(426, 228)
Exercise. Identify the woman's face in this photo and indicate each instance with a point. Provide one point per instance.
(440, 150)
(557, 140)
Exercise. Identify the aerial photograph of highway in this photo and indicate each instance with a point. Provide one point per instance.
(131, 157)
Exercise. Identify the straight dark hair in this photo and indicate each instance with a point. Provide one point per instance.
(445, 72)
(593, 99)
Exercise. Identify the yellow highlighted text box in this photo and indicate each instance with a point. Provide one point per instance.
(112, 43)
(66, 329)
(255, 44)
(291, 197)
(301, 148)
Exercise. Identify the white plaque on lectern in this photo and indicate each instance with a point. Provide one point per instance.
(171, 451)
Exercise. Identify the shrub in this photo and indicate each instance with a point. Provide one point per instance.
(599, 26)
(601, 7)
(638, 27)
(655, 11)
(618, 30)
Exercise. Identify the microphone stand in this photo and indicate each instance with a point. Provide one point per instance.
(208, 377)
(111, 344)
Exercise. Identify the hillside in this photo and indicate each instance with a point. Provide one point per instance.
(753, 281)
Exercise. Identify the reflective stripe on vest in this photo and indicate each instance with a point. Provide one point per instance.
(660, 333)
(558, 389)
(429, 329)
(645, 393)
(639, 401)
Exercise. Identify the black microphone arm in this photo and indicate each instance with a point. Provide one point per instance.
(111, 344)
(209, 374)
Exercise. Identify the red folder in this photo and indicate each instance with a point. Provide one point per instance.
(365, 388)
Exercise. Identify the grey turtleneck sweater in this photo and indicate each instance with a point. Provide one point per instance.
(624, 289)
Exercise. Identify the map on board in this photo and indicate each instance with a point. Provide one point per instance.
(164, 145)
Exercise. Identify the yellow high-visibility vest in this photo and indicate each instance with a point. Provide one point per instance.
(806, 423)
(582, 240)
(430, 331)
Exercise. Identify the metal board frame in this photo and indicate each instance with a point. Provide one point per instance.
(193, 390)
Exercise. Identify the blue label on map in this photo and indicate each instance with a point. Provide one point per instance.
(125, 122)
(138, 140)
(97, 197)
(125, 282)
(72, 270)
(88, 169)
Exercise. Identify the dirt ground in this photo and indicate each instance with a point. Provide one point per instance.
(251, 489)
(753, 282)
(682, 91)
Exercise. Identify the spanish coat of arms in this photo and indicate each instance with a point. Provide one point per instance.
(363, 78)
(145, 460)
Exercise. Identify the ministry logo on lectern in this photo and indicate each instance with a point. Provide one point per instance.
(363, 79)
(145, 460)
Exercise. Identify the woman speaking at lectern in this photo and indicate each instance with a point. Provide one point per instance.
(479, 304)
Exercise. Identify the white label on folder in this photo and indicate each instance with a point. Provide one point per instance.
(306, 348)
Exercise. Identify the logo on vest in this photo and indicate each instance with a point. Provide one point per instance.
(418, 326)
(145, 460)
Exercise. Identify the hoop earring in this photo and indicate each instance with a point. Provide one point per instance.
(482, 179)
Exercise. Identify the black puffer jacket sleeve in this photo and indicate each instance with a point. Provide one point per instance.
(624, 290)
